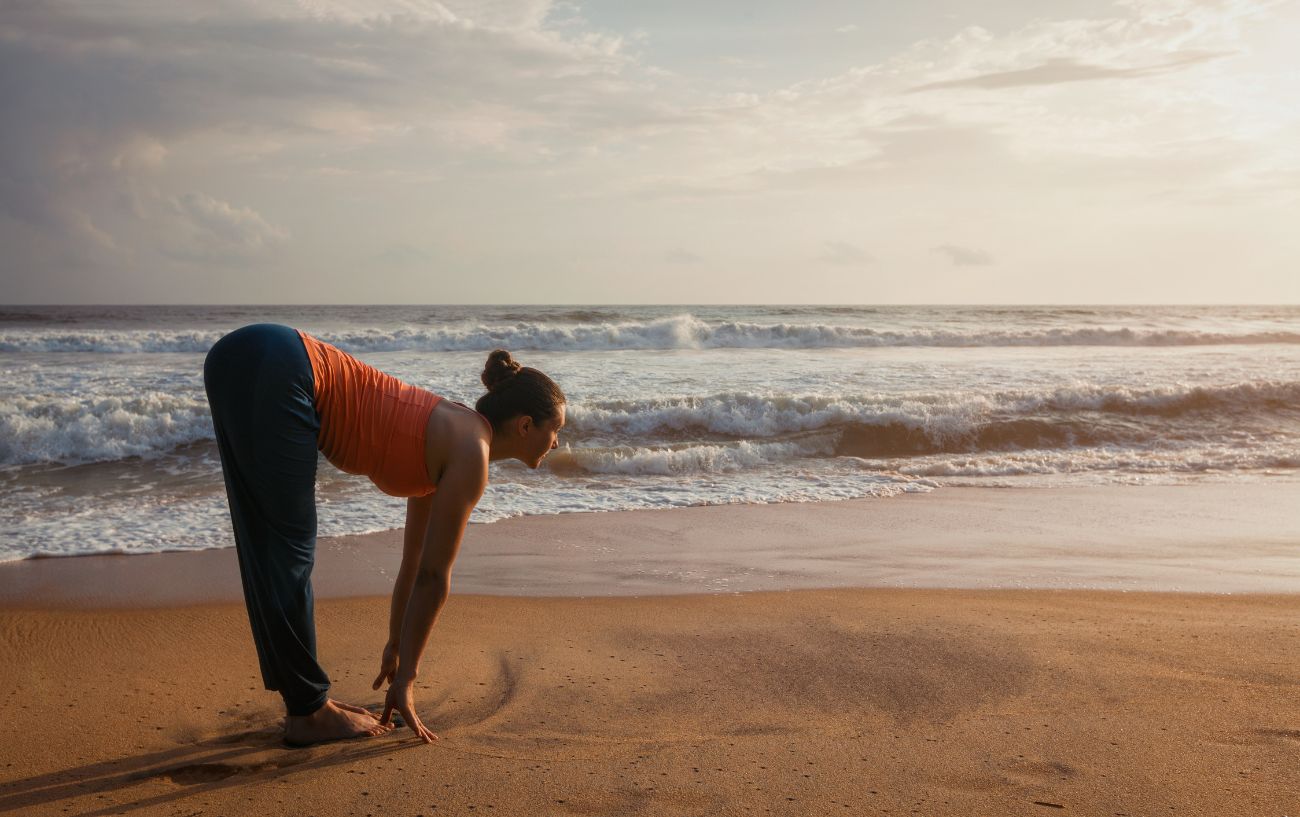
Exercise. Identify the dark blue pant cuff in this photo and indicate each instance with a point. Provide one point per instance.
(301, 710)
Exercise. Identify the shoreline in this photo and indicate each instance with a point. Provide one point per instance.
(1198, 538)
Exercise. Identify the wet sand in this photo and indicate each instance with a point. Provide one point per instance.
(853, 700)
(1215, 538)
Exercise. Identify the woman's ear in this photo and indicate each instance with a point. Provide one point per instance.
(523, 424)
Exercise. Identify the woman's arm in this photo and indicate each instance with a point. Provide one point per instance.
(459, 490)
(418, 510)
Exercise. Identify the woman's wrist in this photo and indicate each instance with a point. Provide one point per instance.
(404, 677)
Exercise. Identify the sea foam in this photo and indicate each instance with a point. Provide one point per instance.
(678, 332)
(66, 429)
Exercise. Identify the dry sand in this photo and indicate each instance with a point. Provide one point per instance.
(806, 702)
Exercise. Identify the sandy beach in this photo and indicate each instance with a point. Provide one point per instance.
(854, 700)
(798, 409)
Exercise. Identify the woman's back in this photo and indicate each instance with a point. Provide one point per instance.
(371, 422)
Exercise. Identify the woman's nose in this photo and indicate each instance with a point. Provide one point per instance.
(555, 444)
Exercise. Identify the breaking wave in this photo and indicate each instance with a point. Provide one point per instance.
(680, 332)
(731, 430)
(1070, 415)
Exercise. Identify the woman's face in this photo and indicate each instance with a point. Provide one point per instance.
(541, 439)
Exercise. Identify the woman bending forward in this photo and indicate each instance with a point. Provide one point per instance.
(278, 395)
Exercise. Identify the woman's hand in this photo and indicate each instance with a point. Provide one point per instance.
(401, 697)
(387, 666)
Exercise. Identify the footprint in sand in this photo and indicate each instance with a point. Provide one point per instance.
(1038, 772)
(1260, 737)
(193, 774)
(200, 773)
(1285, 735)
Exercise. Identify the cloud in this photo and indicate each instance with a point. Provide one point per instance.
(841, 253)
(964, 256)
(407, 122)
(847, 29)
(867, 129)
(899, 152)
(102, 102)
(227, 224)
(198, 228)
(1063, 69)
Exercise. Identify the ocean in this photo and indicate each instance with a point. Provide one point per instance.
(106, 444)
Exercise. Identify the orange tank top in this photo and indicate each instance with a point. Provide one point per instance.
(371, 423)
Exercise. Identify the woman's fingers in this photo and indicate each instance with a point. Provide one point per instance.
(399, 700)
(423, 734)
(386, 670)
(418, 727)
(413, 720)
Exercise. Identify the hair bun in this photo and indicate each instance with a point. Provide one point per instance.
(500, 367)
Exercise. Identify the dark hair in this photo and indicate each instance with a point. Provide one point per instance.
(514, 390)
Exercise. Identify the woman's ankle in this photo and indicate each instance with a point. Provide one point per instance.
(318, 711)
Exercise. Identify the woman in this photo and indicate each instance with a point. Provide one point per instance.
(277, 396)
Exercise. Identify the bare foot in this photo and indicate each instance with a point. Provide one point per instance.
(360, 710)
(331, 722)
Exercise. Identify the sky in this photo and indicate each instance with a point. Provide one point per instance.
(539, 151)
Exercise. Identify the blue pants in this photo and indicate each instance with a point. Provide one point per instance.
(261, 391)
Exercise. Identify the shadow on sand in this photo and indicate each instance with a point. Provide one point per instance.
(195, 768)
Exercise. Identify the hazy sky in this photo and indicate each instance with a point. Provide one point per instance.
(332, 151)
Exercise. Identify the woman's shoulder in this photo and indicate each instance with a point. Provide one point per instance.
(457, 442)
(454, 426)
(486, 423)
